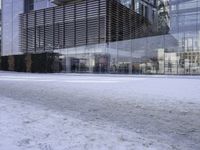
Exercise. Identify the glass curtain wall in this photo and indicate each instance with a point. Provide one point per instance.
(41, 4)
(173, 49)
(175, 52)
(10, 26)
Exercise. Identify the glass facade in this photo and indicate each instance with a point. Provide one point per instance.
(11, 10)
(170, 46)
(177, 51)
(10, 26)
(40, 4)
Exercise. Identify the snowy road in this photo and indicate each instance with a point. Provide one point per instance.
(72, 111)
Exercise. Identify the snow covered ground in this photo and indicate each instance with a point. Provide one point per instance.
(72, 111)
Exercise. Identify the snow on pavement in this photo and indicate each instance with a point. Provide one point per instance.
(26, 126)
(71, 111)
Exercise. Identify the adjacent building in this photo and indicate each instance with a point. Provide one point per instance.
(102, 36)
(0, 31)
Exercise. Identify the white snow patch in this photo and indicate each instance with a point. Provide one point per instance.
(30, 127)
(71, 111)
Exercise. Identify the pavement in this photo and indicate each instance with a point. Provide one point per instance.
(98, 112)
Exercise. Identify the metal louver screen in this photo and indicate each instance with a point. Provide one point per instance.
(81, 23)
(65, 26)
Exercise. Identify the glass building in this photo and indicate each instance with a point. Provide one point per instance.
(107, 36)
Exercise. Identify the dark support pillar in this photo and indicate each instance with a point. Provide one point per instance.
(133, 4)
